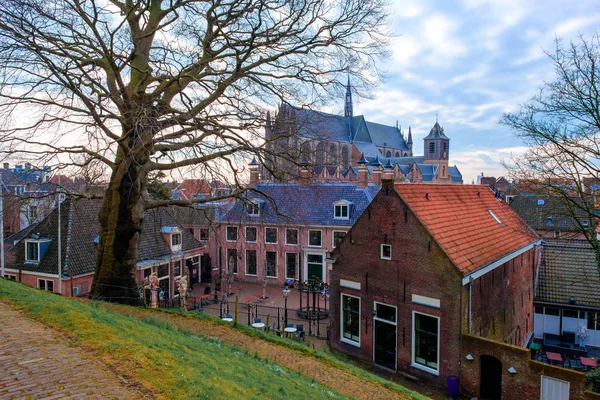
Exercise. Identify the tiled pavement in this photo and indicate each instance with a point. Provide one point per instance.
(35, 363)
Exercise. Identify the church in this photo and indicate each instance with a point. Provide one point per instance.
(334, 147)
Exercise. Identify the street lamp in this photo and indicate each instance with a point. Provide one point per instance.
(215, 269)
(286, 293)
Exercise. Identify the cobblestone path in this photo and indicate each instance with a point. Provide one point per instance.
(36, 363)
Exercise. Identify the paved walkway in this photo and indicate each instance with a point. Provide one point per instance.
(35, 363)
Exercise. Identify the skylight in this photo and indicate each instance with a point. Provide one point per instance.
(496, 218)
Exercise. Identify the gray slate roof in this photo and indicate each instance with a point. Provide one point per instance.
(298, 205)
(568, 269)
(80, 228)
(545, 212)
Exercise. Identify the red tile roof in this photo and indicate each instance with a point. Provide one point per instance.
(192, 187)
(459, 219)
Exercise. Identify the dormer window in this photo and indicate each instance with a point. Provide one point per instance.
(253, 209)
(176, 239)
(341, 209)
(172, 235)
(35, 249)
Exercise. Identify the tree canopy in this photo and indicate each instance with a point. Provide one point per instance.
(138, 87)
(561, 127)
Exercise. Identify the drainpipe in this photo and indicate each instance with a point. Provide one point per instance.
(470, 302)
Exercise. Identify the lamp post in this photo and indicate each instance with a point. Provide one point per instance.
(215, 269)
(286, 293)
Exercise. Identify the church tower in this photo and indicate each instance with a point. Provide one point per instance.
(436, 145)
(348, 105)
(436, 152)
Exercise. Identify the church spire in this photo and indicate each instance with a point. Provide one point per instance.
(409, 142)
(348, 106)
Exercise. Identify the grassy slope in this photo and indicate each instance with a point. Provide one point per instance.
(163, 358)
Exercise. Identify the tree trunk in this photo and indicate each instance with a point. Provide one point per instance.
(121, 220)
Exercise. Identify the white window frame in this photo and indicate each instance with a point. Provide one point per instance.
(276, 235)
(297, 236)
(45, 288)
(342, 338)
(252, 206)
(246, 262)
(29, 260)
(383, 245)
(413, 362)
(320, 241)
(276, 266)
(11, 277)
(237, 235)
(297, 265)
(333, 244)
(255, 236)
(173, 236)
(341, 204)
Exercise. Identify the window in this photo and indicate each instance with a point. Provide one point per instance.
(549, 221)
(270, 235)
(591, 320)
(204, 234)
(320, 154)
(291, 265)
(271, 260)
(162, 270)
(253, 209)
(386, 251)
(426, 341)
(32, 251)
(33, 214)
(232, 261)
(10, 277)
(431, 147)
(46, 284)
(176, 239)
(341, 211)
(337, 237)
(314, 238)
(251, 262)
(177, 268)
(556, 234)
(251, 234)
(350, 323)
(231, 235)
(291, 236)
(584, 222)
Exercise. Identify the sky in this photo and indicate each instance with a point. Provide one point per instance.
(471, 61)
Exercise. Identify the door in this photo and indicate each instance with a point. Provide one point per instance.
(385, 344)
(314, 266)
(491, 378)
(554, 389)
(205, 269)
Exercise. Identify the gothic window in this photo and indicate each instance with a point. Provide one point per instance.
(388, 154)
(320, 154)
(332, 155)
(431, 147)
(305, 152)
(344, 157)
(397, 155)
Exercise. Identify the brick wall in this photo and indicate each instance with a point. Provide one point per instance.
(525, 383)
(502, 301)
(418, 266)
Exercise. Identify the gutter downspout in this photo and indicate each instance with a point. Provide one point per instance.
(470, 303)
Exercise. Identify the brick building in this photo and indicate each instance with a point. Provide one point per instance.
(32, 255)
(425, 264)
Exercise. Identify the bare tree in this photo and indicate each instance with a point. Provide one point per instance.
(561, 126)
(156, 86)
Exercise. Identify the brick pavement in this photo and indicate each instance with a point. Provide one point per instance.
(36, 363)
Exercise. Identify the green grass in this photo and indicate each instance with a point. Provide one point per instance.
(172, 362)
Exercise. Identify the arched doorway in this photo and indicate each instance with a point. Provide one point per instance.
(491, 378)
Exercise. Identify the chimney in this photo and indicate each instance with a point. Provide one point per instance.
(304, 176)
(6, 166)
(387, 184)
(363, 172)
(254, 172)
(377, 171)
